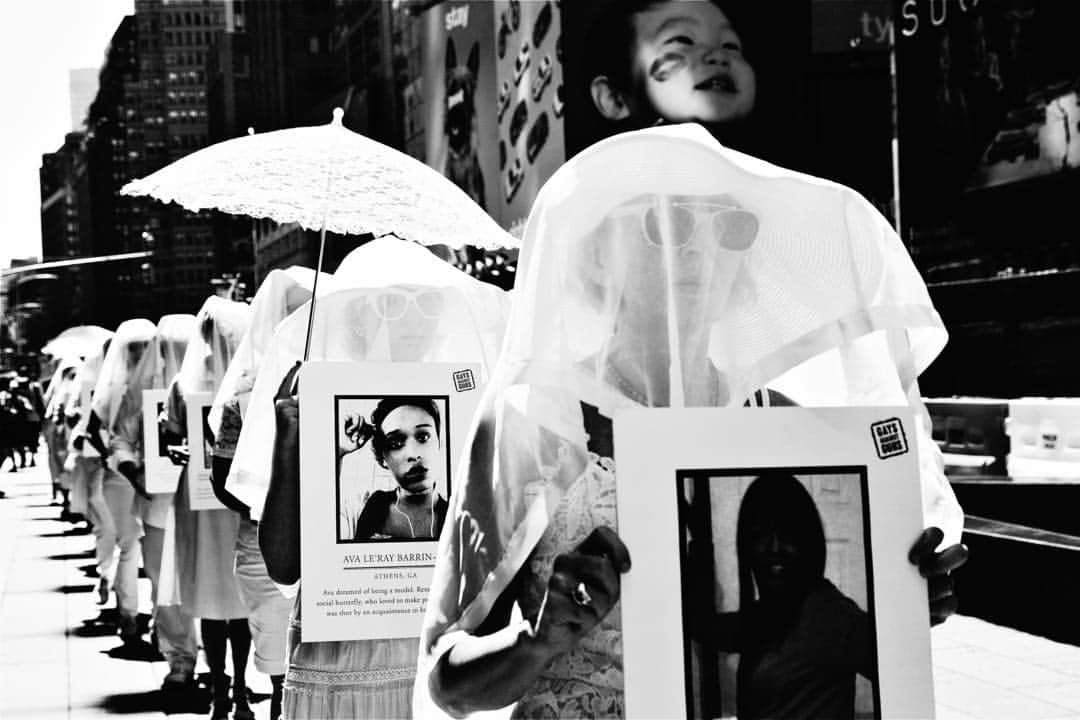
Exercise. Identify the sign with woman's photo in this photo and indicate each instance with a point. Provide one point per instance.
(201, 450)
(378, 442)
(162, 474)
(770, 569)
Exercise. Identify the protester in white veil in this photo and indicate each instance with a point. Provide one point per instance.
(659, 269)
(204, 541)
(54, 428)
(77, 417)
(379, 263)
(404, 304)
(173, 628)
(281, 293)
(110, 495)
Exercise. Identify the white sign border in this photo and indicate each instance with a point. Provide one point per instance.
(321, 556)
(161, 474)
(658, 443)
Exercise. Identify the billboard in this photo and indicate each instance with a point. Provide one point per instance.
(987, 96)
(493, 100)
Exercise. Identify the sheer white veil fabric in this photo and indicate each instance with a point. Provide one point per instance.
(466, 325)
(280, 293)
(129, 346)
(82, 390)
(662, 269)
(56, 393)
(220, 325)
(159, 364)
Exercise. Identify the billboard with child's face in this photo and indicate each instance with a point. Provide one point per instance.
(494, 100)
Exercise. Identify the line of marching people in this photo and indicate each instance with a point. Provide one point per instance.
(210, 583)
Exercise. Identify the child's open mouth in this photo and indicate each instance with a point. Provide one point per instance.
(721, 82)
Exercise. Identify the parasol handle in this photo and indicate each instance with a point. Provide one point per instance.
(314, 288)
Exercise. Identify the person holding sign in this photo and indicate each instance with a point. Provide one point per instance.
(111, 496)
(405, 440)
(379, 317)
(206, 539)
(279, 295)
(694, 276)
(173, 629)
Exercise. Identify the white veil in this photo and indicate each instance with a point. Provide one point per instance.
(128, 348)
(661, 269)
(468, 327)
(281, 292)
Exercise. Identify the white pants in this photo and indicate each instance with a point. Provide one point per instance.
(268, 609)
(175, 628)
(116, 531)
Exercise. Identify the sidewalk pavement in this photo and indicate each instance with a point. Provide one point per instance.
(58, 661)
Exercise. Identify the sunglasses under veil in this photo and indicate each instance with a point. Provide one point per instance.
(451, 322)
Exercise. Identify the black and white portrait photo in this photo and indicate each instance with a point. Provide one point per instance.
(777, 593)
(392, 467)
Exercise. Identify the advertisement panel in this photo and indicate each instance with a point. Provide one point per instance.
(493, 100)
(459, 88)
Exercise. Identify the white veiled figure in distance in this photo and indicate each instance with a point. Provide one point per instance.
(155, 371)
(174, 628)
(402, 304)
(77, 405)
(280, 294)
(659, 269)
(203, 541)
(128, 348)
(54, 430)
(116, 528)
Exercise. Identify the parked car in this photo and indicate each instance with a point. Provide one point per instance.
(517, 122)
(500, 38)
(513, 179)
(541, 25)
(543, 77)
(538, 134)
(521, 64)
(503, 102)
(515, 14)
(558, 105)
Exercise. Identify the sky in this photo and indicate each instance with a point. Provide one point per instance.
(40, 41)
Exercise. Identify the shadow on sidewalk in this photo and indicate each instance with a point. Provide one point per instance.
(84, 555)
(66, 533)
(73, 589)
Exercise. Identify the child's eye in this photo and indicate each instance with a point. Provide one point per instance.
(422, 437)
(680, 39)
(395, 443)
(665, 65)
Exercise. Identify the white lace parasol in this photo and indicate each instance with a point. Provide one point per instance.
(325, 177)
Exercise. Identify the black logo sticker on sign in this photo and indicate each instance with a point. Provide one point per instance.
(889, 438)
(463, 381)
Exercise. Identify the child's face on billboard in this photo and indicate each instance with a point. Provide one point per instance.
(688, 64)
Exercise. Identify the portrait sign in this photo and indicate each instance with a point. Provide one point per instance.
(201, 450)
(770, 569)
(162, 475)
(378, 443)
